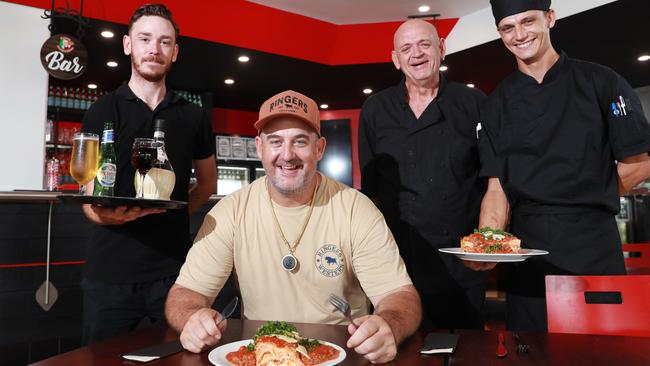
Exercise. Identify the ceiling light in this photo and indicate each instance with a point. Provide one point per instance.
(367, 91)
(107, 34)
(424, 8)
(471, 85)
(111, 64)
(229, 81)
(644, 58)
(243, 58)
(92, 86)
(324, 106)
(443, 68)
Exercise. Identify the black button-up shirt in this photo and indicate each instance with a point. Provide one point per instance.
(424, 172)
(555, 143)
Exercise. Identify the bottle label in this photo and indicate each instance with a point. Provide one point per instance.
(162, 156)
(106, 174)
(107, 136)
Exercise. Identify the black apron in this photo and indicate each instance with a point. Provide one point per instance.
(580, 241)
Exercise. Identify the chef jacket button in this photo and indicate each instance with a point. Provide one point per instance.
(410, 152)
(413, 198)
(430, 180)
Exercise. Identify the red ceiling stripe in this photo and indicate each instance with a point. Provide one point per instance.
(249, 25)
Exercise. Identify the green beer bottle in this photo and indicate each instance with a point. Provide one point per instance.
(107, 171)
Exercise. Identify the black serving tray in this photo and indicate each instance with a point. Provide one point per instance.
(122, 201)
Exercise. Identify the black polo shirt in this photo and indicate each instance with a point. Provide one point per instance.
(555, 144)
(153, 246)
(424, 171)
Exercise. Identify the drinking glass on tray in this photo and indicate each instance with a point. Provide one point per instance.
(143, 155)
(85, 155)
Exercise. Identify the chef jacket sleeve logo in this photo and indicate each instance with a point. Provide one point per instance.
(620, 107)
(478, 128)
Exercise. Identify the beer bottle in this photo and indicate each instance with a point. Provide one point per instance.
(105, 179)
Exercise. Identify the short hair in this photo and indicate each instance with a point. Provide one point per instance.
(159, 10)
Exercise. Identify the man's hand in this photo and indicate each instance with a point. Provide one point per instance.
(203, 329)
(372, 337)
(479, 266)
(117, 215)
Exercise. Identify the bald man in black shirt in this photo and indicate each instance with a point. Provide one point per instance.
(418, 151)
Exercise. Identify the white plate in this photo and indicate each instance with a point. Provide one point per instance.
(494, 257)
(218, 355)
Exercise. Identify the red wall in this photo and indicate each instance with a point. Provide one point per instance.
(249, 25)
(234, 122)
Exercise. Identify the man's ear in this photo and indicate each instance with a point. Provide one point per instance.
(395, 58)
(126, 44)
(550, 18)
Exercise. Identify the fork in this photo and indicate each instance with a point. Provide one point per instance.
(341, 305)
(521, 346)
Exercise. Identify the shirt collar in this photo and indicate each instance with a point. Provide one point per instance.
(403, 98)
(125, 91)
(552, 73)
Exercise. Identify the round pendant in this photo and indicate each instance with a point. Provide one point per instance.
(289, 262)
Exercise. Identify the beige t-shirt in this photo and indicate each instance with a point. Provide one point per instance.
(347, 249)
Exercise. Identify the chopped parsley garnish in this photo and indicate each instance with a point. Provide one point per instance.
(309, 343)
(494, 248)
(281, 328)
(488, 232)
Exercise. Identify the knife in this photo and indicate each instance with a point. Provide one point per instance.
(165, 349)
(229, 309)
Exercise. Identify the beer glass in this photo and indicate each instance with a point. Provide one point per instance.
(85, 155)
(144, 154)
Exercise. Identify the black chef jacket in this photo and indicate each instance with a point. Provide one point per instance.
(553, 146)
(425, 174)
(556, 143)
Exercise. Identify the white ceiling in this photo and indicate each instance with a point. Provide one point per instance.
(373, 11)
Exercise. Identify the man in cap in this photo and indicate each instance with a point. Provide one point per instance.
(294, 237)
(564, 138)
(418, 152)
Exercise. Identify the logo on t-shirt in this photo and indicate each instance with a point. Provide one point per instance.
(329, 260)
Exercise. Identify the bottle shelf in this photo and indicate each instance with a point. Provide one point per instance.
(58, 146)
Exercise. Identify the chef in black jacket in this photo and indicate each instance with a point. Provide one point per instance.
(564, 138)
(418, 151)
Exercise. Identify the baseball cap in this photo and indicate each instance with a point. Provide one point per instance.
(289, 103)
(506, 8)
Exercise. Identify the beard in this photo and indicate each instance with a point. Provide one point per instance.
(298, 185)
(146, 73)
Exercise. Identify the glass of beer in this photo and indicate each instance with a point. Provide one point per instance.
(85, 155)
(143, 155)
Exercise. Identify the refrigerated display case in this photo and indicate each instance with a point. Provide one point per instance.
(231, 178)
(259, 172)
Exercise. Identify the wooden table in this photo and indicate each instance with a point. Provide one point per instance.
(556, 349)
(474, 348)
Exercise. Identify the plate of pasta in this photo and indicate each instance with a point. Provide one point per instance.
(277, 343)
